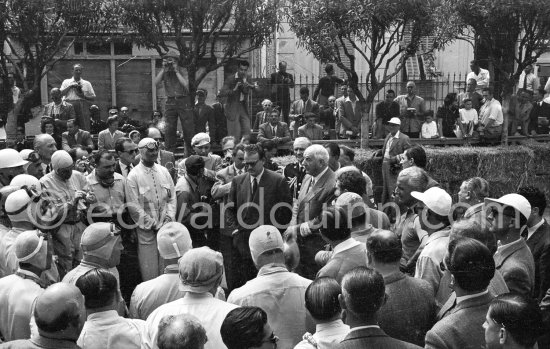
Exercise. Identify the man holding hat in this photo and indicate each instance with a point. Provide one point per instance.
(506, 217)
(101, 245)
(20, 290)
(394, 145)
(201, 272)
(66, 189)
(173, 241)
(201, 147)
(433, 209)
(151, 198)
(23, 210)
(178, 102)
(11, 165)
(276, 290)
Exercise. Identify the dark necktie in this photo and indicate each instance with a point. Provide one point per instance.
(48, 168)
(254, 186)
(525, 233)
(525, 82)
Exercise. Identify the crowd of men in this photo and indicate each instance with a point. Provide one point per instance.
(124, 247)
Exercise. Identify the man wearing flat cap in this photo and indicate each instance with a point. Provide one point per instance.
(151, 198)
(178, 104)
(201, 272)
(66, 189)
(201, 147)
(102, 245)
(20, 290)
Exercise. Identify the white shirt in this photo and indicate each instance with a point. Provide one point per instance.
(533, 229)
(125, 169)
(344, 246)
(463, 298)
(530, 82)
(363, 328)
(482, 78)
(258, 177)
(491, 110)
(353, 103)
(281, 294)
(390, 142)
(327, 335)
(107, 329)
(429, 130)
(210, 311)
(467, 116)
(71, 95)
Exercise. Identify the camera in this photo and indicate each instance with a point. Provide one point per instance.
(79, 87)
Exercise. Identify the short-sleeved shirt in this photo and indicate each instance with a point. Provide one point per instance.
(491, 110)
(71, 95)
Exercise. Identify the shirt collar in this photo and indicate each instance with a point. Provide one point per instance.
(236, 169)
(363, 328)
(443, 233)
(29, 275)
(345, 245)
(171, 269)
(103, 315)
(52, 343)
(470, 296)
(534, 228)
(258, 177)
(397, 134)
(501, 248)
(328, 326)
(272, 268)
(318, 177)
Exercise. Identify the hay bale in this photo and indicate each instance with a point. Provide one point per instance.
(542, 156)
(452, 163)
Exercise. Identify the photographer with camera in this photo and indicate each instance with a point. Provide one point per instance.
(79, 93)
(178, 103)
(299, 108)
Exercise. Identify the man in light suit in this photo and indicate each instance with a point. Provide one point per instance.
(274, 130)
(106, 140)
(506, 216)
(394, 145)
(59, 110)
(311, 130)
(263, 116)
(300, 107)
(472, 268)
(203, 113)
(349, 116)
(220, 191)
(363, 293)
(255, 194)
(237, 88)
(165, 158)
(316, 192)
(74, 136)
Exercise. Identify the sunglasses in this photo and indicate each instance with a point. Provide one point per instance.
(151, 146)
(131, 151)
(251, 164)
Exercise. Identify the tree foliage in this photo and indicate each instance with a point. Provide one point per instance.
(385, 33)
(206, 33)
(514, 33)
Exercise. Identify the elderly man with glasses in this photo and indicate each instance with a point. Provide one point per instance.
(151, 198)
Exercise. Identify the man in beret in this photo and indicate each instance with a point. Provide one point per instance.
(151, 198)
(66, 189)
(201, 271)
(20, 290)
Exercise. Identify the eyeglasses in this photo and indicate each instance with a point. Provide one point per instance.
(268, 105)
(251, 164)
(131, 151)
(151, 146)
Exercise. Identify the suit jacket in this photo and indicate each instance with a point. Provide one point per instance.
(313, 133)
(294, 173)
(221, 123)
(398, 146)
(349, 118)
(515, 263)
(205, 115)
(106, 141)
(66, 112)
(312, 201)
(399, 317)
(261, 118)
(462, 328)
(220, 191)
(234, 105)
(372, 338)
(167, 157)
(274, 189)
(299, 107)
(340, 263)
(539, 244)
(266, 132)
(83, 138)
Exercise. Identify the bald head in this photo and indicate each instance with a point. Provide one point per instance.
(59, 311)
(181, 331)
(153, 132)
(384, 246)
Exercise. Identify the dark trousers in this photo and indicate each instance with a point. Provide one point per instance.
(309, 246)
(239, 267)
(128, 270)
(174, 109)
(284, 106)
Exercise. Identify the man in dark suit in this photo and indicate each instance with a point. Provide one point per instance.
(316, 193)
(386, 110)
(203, 113)
(59, 110)
(363, 294)
(274, 130)
(399, 317)
(281, 83)
(221, 121)
(75, 136)
(537, 236)
(255, 194)
(349, 116)
(506, 216)
(472, 267)
(300, 107)
(295, 172)
(126, 151)
(236, 88)
(394, 145)
(263, 116)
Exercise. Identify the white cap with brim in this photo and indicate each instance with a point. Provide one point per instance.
(16, 206)
(31, 248)
(516, 201)
(395, 121)
(173, 240)
(436, 200)
(61, 159)
(25, 179)
(11, 158)
(200, 139)
(200, 270)
(99, 240)
(352, 203)
(263, 239)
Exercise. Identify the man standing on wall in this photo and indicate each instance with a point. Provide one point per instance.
(177, 103)
(281, 83)
(79, 92)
